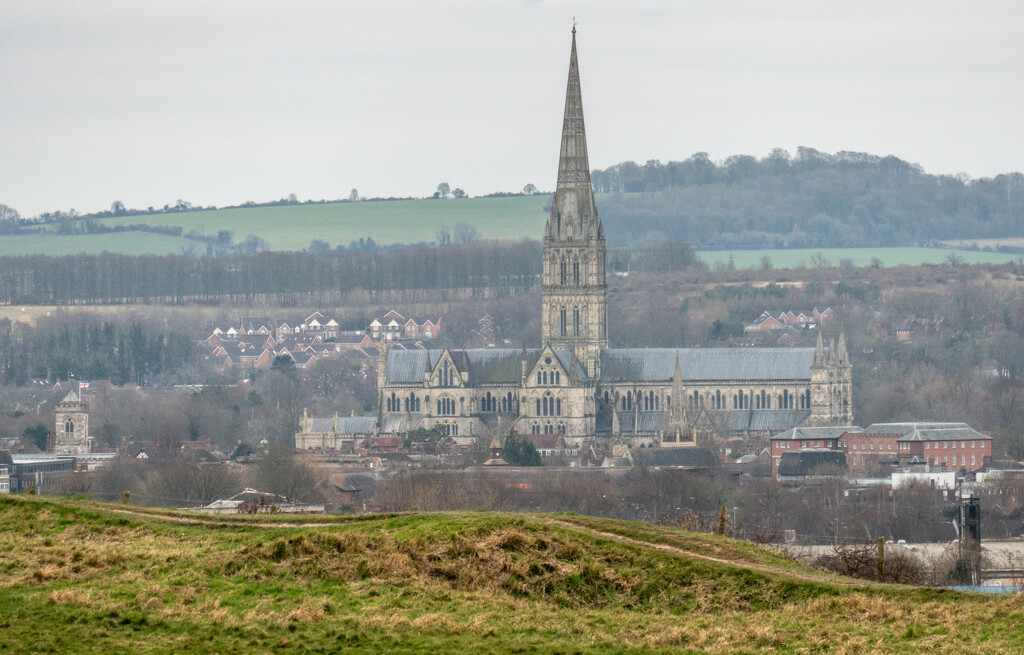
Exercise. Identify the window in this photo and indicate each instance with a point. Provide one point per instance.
(927, 445)
(563, 325)
(446, 407)
(576, 272)
(954, 444)
(561, 277)
(576, 322)
(972, 460)
(963, 444)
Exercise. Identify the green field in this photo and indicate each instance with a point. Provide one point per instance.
(292, 227)
(85, 577)
(858, 256)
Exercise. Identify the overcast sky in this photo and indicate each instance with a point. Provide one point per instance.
(220, 102)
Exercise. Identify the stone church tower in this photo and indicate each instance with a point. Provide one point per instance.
(575, 296)
(71, 434)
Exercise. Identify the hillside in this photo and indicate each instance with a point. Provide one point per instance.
(88, 577)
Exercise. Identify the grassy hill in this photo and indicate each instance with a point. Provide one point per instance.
(86, 577)
(292, 227)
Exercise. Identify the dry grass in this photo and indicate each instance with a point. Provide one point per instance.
(473, 582)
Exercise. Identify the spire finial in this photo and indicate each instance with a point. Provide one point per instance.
(574, 26)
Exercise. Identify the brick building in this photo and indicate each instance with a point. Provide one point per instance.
(882, 447)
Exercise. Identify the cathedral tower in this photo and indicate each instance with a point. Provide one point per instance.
(575, 296)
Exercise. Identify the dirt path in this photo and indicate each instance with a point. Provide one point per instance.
(767, 569)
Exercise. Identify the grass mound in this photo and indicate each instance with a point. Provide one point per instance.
(83, 576)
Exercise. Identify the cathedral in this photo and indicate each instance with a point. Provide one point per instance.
(576, 386)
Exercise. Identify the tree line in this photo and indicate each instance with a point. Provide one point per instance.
(91, 349)
(485, 268)
(288, 277)
(813, 199)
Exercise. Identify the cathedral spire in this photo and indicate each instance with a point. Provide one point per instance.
(574, 308)
(819, 351)
(842, 356)
(573, 214)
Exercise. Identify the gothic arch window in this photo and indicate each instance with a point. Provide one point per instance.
(576, 321)
(562, 273)
(445, 407)
(808, 396)
(446, 376)
(69, 427)
(538, 378)
(576, 273)
(563, 323)
(548, 428)
(534, 429)
(558, 377)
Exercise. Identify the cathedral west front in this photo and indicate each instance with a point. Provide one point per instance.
(576, 386)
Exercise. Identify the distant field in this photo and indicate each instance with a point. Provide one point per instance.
(292, 227)
(859, 256)
(1009, 242)
(130, 243)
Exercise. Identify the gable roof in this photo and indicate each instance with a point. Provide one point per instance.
(658, 364)
(346, 424)
(690, 457)
(816, 433)
(803, 462)
(484, 365)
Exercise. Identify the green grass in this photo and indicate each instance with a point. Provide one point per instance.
(292, 227)
(859, 256)
(92, 578)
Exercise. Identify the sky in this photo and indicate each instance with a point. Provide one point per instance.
(220, 102)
